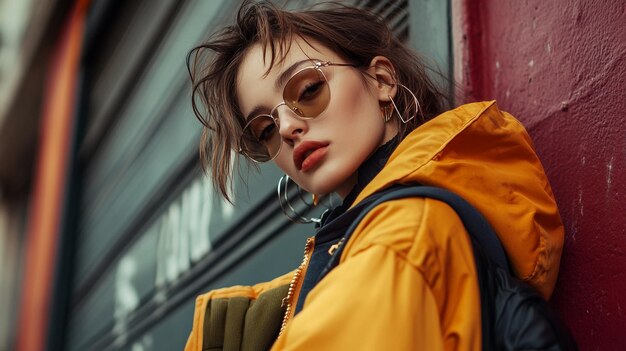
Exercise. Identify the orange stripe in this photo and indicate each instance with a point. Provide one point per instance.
(49, 183)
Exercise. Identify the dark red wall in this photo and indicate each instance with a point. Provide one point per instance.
(560, 67)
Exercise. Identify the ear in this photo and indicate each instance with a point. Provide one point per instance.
(385, 73)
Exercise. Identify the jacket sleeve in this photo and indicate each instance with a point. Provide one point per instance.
(396, 294)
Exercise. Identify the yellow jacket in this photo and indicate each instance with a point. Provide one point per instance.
(406, 279)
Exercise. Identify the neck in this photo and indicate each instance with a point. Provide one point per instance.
(345, 189)
(373, 163)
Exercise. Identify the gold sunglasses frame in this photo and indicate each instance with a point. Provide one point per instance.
(317, 66)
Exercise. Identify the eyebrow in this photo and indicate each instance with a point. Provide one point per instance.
(280, 81)
(283, 77)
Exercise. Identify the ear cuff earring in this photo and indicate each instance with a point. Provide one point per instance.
(387, 112)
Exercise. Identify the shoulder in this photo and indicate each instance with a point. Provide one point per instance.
(426, 233)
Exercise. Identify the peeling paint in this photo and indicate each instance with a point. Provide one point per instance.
(580, 201)
(531, 63)
(609, 168)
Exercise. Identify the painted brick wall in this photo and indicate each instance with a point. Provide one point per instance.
(560, 67)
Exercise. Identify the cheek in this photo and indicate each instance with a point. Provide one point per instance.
(360, 113)
(354, 95)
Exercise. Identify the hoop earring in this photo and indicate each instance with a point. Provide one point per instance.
(418, 108)
(286, 206)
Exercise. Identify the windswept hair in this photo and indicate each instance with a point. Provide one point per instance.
(354, 34)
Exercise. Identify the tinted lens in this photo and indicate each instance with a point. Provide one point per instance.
(260, 139)
(307, 93)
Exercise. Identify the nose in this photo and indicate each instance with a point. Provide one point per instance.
(291, 128)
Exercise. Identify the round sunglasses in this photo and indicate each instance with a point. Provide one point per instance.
(306, 93)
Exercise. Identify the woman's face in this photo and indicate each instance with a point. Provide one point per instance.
(321, 155)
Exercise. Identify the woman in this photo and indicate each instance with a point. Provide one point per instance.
(342, 107)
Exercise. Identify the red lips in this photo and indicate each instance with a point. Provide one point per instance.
(308, 154)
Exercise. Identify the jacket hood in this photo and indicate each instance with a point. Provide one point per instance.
(486, 156)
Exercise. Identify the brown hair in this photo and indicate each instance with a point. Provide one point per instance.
(354, 34)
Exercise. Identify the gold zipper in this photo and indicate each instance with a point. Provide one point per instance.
(296, 283)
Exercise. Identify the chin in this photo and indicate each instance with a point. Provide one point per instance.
(324, 183)
(317, 185)
(336, 174)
